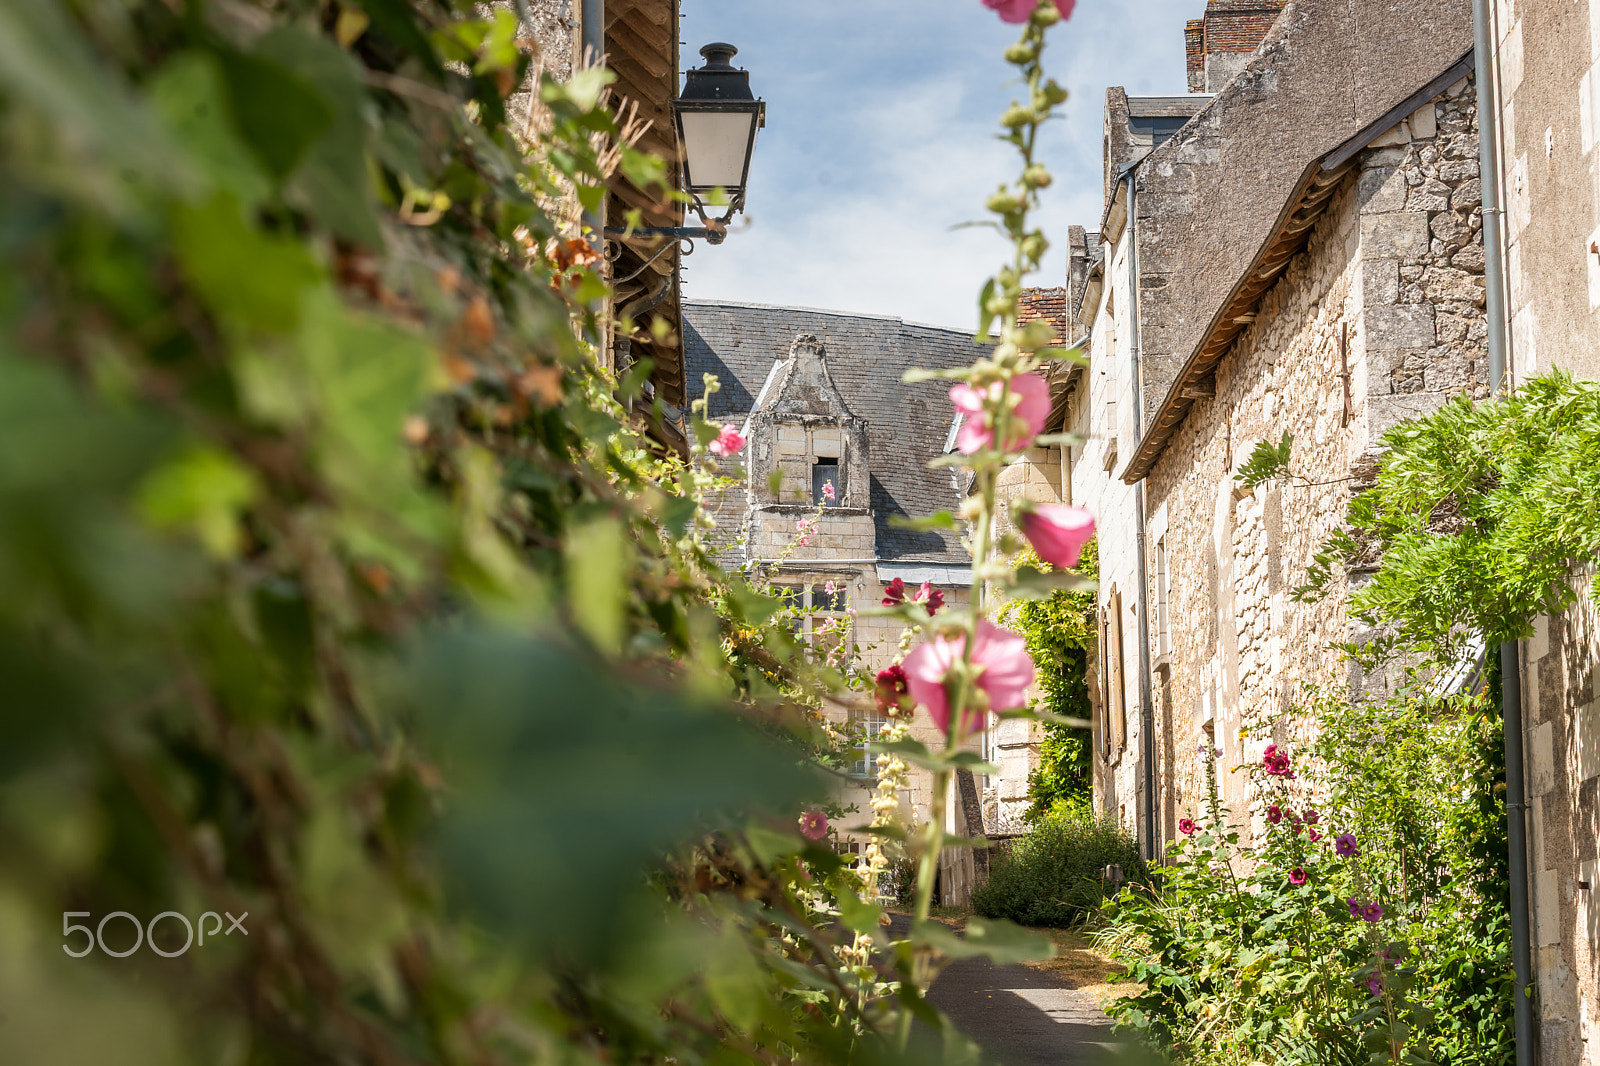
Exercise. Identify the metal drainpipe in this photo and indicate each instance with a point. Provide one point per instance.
(1510, 658)
(1152, 845)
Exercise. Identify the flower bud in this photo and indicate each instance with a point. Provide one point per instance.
(1054, 92)
(1045, 15)
(1016, 116)
(1020, 53)
(1037, 177)
(1003, 203)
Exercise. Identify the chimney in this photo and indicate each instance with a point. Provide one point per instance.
(1218, 45)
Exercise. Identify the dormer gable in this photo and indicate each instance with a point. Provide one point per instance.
(802, 427)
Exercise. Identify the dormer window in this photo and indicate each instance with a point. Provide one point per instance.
(824, 473)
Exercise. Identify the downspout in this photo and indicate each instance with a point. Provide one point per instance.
(1152, 847)
(1510, 652)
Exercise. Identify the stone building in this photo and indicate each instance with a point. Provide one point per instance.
(819, 396)
(1547, 88)
(1300, 253)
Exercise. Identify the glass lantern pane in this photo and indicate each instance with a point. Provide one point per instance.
(715, 143)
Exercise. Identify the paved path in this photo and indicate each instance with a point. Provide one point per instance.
(1020, 1016)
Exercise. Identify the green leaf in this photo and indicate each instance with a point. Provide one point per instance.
(330, 182)
(279, 114)
(203, 490)
(247, 277)
(938, 520)
(597, 581)
(995, 939)
(189, 92)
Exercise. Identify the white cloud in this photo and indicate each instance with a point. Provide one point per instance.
(879, 139)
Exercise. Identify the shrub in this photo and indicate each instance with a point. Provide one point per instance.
(1052, 876)
(1367, 927)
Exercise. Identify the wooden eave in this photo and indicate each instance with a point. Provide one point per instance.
(642, 51)
(1288, 237)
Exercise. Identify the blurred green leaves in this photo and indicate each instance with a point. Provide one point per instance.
(567, 782)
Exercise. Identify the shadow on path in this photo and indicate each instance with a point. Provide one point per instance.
(1020, 1016)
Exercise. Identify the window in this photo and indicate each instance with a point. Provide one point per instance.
(818, 610)
(865, 765)
(826, 472)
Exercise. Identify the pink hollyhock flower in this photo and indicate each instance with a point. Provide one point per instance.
(930, 598)
(728, 442)
(1375, 985)
(1297, 877)
(1355, 907)
(1315, 836)
(1058, 532)
(1004, 674)
(1015, 11)
(891, 686)
(827, 490)
(1274, 814)
(813, 825)
(1186, 826)
(1372, 912)
(977, 433)
(1345, 845)
(894, 593)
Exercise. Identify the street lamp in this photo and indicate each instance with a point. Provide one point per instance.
(717, 118)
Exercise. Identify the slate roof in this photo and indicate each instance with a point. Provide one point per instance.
(907, 424)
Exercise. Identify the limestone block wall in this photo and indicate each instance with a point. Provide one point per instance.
(1561, 709)
(1547, 58)
(1379, 319)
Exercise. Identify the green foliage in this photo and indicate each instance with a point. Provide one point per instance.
(1479, 513)
(1267, 461)
(1060, 631)
(1240, 962)
(1054, 875)
(313, 607)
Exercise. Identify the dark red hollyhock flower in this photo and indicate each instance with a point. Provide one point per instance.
(894, 594)
(892, 685)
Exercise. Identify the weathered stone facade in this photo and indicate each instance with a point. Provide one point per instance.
(1547, 62)
(1380, 318)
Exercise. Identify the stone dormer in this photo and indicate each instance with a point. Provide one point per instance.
(802, 428)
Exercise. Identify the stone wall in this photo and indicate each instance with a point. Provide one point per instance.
(1380, 318)
(1547, 55)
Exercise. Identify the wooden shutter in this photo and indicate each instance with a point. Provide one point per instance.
(1116, 705)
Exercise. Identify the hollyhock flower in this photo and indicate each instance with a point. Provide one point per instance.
(931, 598)
(1375, 985)
(1272, 749)
(813, 825)
(1186, 826)
(1355, 907)
(827, 490)
(1058, 532)
(1345, 845)
(1297, 877)
(976, 432)
(1315, 836)
(894, 593)
(1372, 912)
(1312, 817)
(891, 686)
(728, 442)
(1004, 673)
(1015, 11)
(828, 587)
(1274, 814)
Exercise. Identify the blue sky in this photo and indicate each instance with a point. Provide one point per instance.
(880, 116)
